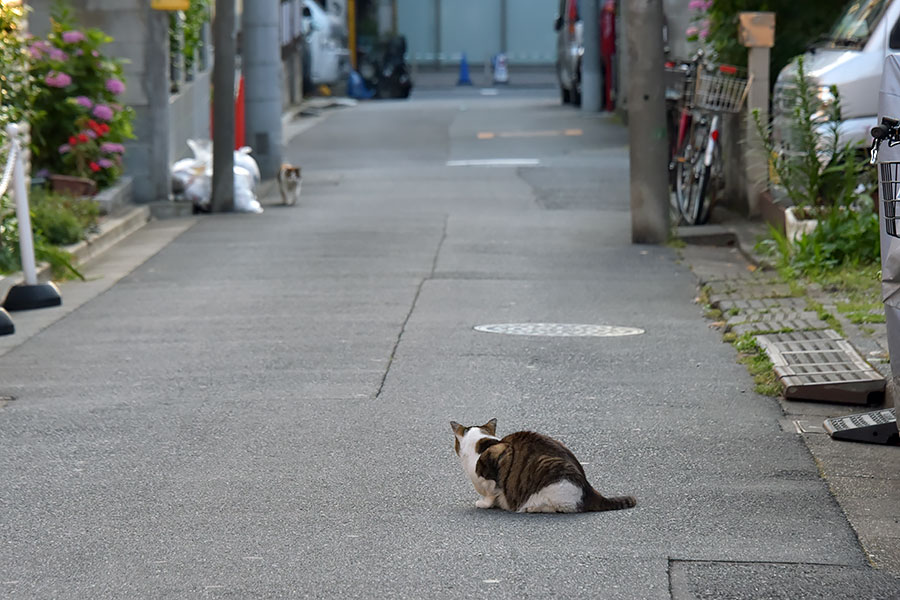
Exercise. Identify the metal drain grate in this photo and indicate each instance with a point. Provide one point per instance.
(821, 366)
(559, 329)
(877, 427)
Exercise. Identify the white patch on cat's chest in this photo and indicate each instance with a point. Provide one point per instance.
(469, 458)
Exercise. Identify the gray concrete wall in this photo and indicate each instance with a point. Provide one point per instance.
(678, 17)
(142, 40)
(189, 114)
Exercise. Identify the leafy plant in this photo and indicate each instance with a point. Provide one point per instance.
(758, 364)
(192, 21)
(59, 260)
(16, 91)
(77, 86)
(821, 172)
(62, 220)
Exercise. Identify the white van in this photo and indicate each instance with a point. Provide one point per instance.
(851, 57)
(326, 45)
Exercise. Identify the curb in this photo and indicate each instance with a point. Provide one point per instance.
(111, 231)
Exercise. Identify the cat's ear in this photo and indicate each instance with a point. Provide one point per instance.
(490, 427)
(457, 428)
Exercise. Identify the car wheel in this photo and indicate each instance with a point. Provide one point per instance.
(576, 87)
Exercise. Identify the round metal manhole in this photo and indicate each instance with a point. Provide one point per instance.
(559, 329)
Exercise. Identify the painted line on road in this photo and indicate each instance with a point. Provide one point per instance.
(489, 135)
(495, 162)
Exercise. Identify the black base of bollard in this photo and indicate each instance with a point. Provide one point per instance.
(6, 324)
(28, 297)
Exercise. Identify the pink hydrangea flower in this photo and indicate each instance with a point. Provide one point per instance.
(57, 79)
(112, 148)
(105, 163)
(90, 133)
(691, 31)
(65, 149)
(72, 37)
(699, 5)
(103, 112)
(57, 54)
(83, 101)
(115, 86)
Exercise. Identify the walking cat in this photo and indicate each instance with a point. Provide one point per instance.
(527, 472)
(289, 182)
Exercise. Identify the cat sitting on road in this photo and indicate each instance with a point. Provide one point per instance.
(527, 472)
(289, 182)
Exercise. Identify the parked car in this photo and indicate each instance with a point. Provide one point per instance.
(851, 57)
(569, 51)
(326, 56)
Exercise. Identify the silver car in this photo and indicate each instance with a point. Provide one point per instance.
(569, 50)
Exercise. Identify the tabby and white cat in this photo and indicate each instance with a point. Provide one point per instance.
(527, 472)
(289, 183)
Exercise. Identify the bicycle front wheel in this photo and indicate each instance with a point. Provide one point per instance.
(692, 176)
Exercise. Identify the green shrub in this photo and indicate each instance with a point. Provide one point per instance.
(822, 172)
(62, 220)
(44, 251)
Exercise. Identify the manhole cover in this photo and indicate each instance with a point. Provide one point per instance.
(559, 329)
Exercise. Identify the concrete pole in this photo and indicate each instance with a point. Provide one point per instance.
(261, 64)
(756, 31)
(223, 108)
(590, 62)
(647, 124)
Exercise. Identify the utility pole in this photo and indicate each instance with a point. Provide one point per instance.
(590, 60)
(261, 64)
(647, 124)
(223, 108)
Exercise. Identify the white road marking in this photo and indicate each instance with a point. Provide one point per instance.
(495, 162)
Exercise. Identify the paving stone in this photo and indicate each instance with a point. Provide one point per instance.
(762, 290)
(779, 325)
(733, 285)
(795, 304)
(749, 316)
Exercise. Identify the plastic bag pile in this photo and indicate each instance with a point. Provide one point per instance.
(192, 178)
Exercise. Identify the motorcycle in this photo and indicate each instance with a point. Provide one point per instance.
(385, 70)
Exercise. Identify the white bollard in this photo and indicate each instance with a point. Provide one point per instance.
(30, 294)
(20, 193)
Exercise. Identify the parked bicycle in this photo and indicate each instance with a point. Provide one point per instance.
(708, 91)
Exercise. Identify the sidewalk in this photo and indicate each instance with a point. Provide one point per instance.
(864, 478)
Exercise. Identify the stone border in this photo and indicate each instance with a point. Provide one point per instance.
(111, 231)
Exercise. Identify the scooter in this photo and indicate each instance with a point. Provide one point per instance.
(386, 72)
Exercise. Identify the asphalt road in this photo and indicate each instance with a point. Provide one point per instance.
(261, 409)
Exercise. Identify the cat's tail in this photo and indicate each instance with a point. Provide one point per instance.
(595, 501)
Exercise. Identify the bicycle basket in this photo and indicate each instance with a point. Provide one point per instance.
(722, 90)
(890, 196)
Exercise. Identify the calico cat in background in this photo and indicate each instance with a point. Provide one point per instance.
(527, 472)
(289, 181)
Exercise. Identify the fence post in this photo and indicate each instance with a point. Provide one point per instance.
(31, 294)
(757, 32)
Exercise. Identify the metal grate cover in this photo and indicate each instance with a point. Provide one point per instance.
(821, 366)
(877, 427)
(559, 329)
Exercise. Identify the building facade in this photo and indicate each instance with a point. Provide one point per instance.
(438, 32)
